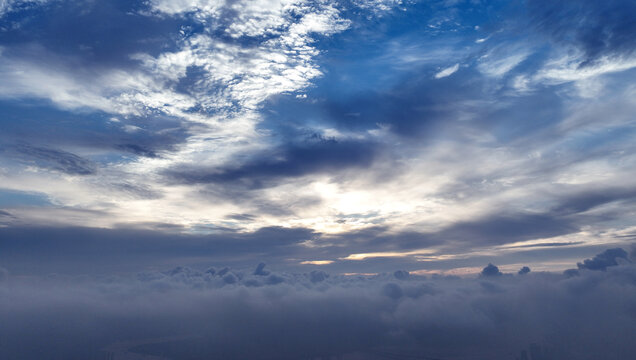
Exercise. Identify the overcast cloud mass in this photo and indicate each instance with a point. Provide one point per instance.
(439, 179)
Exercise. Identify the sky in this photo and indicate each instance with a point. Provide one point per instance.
(380, 152)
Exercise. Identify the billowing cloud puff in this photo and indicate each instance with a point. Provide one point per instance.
(491, 270)
(609, 257)
(318, 276)
(524, 270)
(401, 274)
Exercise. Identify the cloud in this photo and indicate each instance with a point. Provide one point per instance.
(84, 134)
(79, 250)
(261, 17)
(186, 313)
(524, 270)
(7, 6)
(508, 228)
(595, 45)
(317, 276)
(193, 116)
(447, 72)
(604, 260)
(53, 159)
(491, 270)
(187, 88)
(378, 5)
(568, 69)
(603, 29)
(318, 155)
(173, 7)
(413, 107)
(401, 274)
(260, 270)
(501, 61)
(583, 201)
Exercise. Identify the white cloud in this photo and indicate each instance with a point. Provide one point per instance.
(568, 68)
(378, 5)
(7, 6)
(114, 91)
(254, 17)
(447, 71)
(173, 7)
(498, 63)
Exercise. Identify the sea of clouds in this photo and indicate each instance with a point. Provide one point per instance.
(184, 313)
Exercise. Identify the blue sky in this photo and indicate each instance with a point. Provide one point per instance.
(317, 179)
(370, 135)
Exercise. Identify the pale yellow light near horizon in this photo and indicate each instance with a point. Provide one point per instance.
(387, 254)
(317, 262)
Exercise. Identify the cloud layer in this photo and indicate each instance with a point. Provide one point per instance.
(262, 314)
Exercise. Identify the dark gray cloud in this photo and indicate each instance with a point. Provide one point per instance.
(380, 238)
(58, 129)
(509, 228)
(79, 250)
(185, 313)
(76, 250)
(53, 159)
(316, 155)
(581, 201)
(524, 270)
(401, 274)
(137, 150)
(491, 270)
(604, 260)
(568, 216)
(260, 270)
(6, 217)
(247, 217)
(317, 276)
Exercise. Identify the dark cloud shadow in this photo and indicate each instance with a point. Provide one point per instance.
(94, 250)
(57, 129)
(316, 155)
(52, 159)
